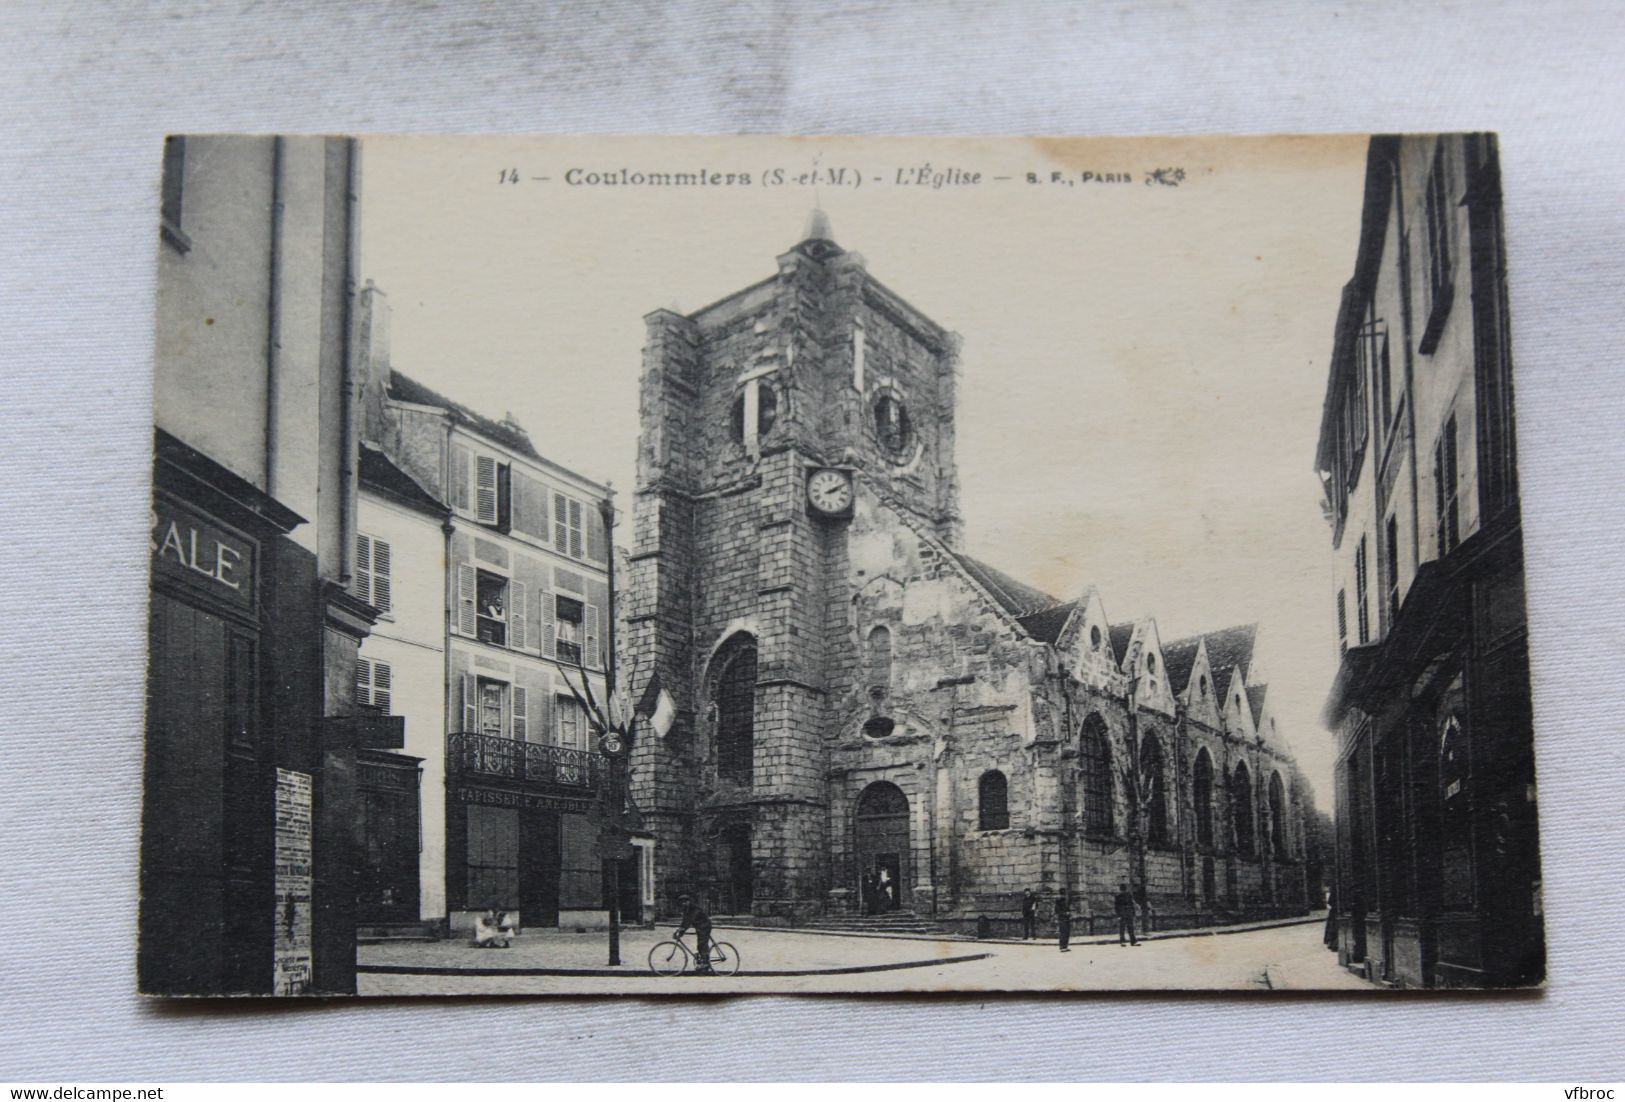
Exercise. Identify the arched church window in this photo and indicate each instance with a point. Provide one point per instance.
(1241, 808)
(993, 801)
(1095, 767)
(1277, 817)
(767, 411)
(1202, 796)
(877, 657)
(1151, 663)
(1153, 792)
(1094, 637)
(735, 700)
(1202, 685)
(892, 427)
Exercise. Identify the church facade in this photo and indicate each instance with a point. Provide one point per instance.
(868, 719)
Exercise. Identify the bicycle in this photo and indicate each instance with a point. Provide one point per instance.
(673, 958)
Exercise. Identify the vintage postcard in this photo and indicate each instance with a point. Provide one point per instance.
(760, 564)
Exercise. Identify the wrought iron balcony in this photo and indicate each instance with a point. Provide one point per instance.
(529, 762)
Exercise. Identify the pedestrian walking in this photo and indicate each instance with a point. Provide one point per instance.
(1029, 915)
(1063, 921)
(1123, 904)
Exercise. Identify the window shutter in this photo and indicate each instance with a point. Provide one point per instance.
(542, 723)
(381, 686)
(471, 716)
(597, 542)
(363, 567)
(465, 599)
(380, 575)
(363, 682)
(459, 478)
(485, 489)
(561, 525)
(550, 627)
(520, 713)
(517, 616)
(590, 655)
(575, 529)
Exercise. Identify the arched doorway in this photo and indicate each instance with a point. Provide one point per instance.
(882, 843)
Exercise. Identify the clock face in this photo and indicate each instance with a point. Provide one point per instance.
(830, 492)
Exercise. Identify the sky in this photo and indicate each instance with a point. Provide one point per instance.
(1143, 362)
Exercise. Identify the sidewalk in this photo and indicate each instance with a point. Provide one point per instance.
(1316, 917)
(762, 952)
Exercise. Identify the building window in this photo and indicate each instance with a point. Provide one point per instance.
(1440, 210)
(1445, 477)
(569, 723)
(174, 184)
(372, 562)
(1241, 809)
(1372, 363)
(372, 684)
(1094, 637)
(1095, 764)
(1278, 817)
(735, 699)
(1202, 795)
(892, 428)
(993, 801)
(1361, 604)
(766, 399)
(568, 531)
(571, 615)
(1153, 792)
(491, 704)
(1392, 547)
(491, 608)
(878, 658)
(1342, 622)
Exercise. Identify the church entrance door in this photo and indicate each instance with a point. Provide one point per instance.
(882, 842)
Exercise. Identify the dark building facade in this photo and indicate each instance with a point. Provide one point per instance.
(249, 852)
(870, 719)
(1437, 867)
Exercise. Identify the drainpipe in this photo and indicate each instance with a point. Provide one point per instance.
(349, 474)
(273, 327)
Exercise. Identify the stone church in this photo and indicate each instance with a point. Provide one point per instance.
(868, 718)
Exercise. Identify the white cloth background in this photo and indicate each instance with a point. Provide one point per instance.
(86, 91)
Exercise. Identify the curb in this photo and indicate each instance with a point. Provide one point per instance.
(627, 971)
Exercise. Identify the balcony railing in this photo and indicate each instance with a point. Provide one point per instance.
(530, 762)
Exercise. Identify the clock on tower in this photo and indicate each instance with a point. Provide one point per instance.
(829, 492)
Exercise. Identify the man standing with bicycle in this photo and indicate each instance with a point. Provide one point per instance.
(694, 916)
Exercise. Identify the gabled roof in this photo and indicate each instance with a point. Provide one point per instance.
(1121, 634)
(1017, 598)
(404, 388)
(1177, 658)
(1229, 649)
(1046, 625)
(379, 472)
(1255, 699)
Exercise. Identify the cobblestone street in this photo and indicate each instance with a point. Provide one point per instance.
(1274, 958)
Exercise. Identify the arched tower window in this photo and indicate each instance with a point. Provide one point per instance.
(767, 411)
(892, 428)
(735, 698)
(877, 658)
(1278, 817)
(993, 801)
(1241, 808)
(1153, 792)
(1202, 796)
(1095, 766)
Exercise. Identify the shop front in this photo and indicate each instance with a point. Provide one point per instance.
(522, 824)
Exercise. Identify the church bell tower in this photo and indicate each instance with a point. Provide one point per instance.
(767, 419)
